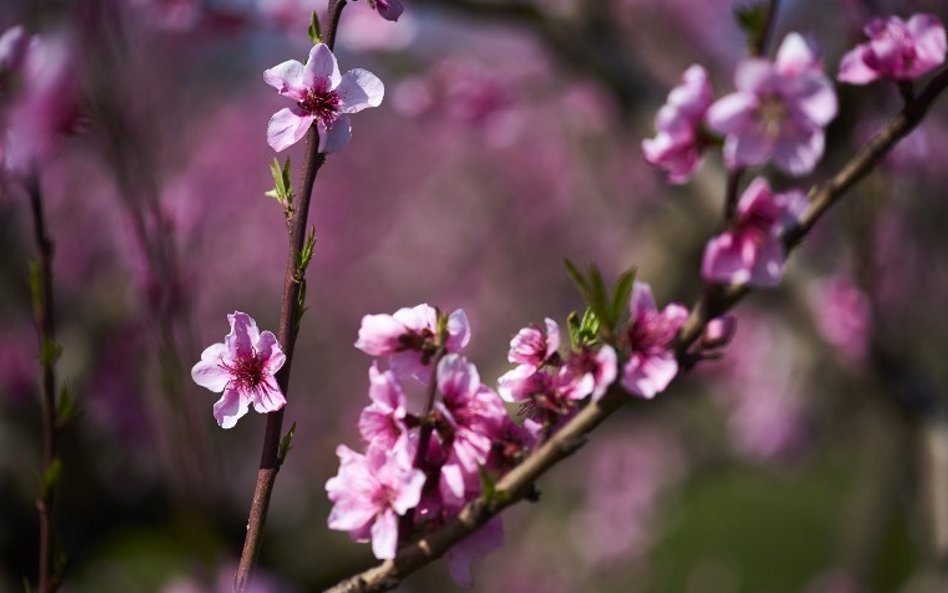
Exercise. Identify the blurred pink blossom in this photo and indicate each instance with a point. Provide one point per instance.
(843, 314)
(678, 145)
(243, 367)
(752, 250)
(779, 110)
(651, 365)
(322, 96)
(896, 50)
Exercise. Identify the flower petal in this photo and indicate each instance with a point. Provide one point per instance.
(287, 79)
(385, 535)
(230, 408)
(210, 372)
(286, 128)
(243, 335)
(359, 89)
(321, 72)
(336, 136)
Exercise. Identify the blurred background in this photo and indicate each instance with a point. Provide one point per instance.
(812, 458)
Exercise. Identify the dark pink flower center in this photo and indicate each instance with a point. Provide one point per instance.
(247, 373)
(651, 331)
(323, 105)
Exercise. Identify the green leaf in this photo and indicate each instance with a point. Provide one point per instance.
(441, 326)
(752, 19)
(286, 443)
(573, 326)
(621, 294)
(50, 350)
(578, 279)
(598, 302)
(50, 477)
(589, 328)
(315, 32)
(300, 303)
(307, 253)
(66, 407)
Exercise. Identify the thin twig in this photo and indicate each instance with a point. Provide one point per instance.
(43, 314)
(717, 300)
(290, 311)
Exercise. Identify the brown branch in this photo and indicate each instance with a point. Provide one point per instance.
(290, 312)
(717, 300)
(43, 315)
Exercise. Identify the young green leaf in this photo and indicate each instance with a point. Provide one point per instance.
(286, 444)
(315, 33)
(573, 326)
(621, 294)
(752, 20)
(598, 301)
(578, 279)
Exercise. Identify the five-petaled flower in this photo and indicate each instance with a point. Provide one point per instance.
(896, 50)
(652, 364)
(752, 250)
(323, 97)
(778, 112)
(242, 366)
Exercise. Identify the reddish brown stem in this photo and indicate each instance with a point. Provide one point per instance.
(44, 318)
(290, 312)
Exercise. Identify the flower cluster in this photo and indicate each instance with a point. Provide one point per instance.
(897, 50)
(420, 468)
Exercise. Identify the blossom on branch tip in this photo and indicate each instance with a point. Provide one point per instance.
(323, 96)
(370, 492)
(678, 143)
(533, 346)
(243, 367)
(652, 364)
(778, 112)
(752, 251)
(897, 50)
(389, 10)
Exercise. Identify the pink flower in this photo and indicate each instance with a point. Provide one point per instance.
(243, 367)
(475, 414)
(591, 372)
(844, 315)
(532, 346)
(719, 332)
(13, 47)
(370, 492)
(382, 422)
(409, 337)
(322, 96)
(44, 106)
(897, 50)
(652, 365)
(778, 112)
(677, 146)
(752, 250)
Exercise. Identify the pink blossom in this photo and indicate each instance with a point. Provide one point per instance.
(719, 332)
(475, 414)
(592, 372)
(678, 145)
(409, 337)
(778, 112)
(243, 367)
(322, 96)
(652, 364)
(383, 421)
(43, 108)
(532, 346)
(13, 48)
(896, 50)
(843, 314)
(752, 250)
(370, 492)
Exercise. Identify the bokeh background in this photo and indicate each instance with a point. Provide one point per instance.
(811, 458)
